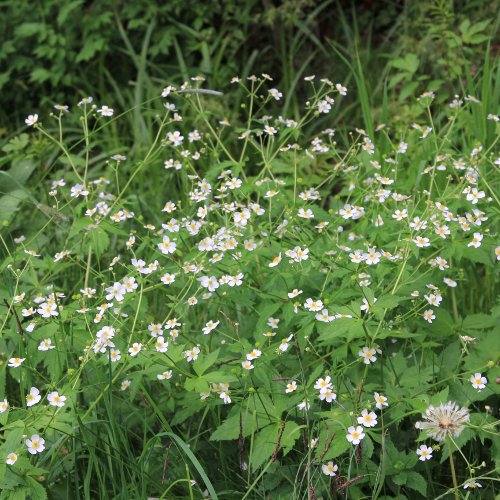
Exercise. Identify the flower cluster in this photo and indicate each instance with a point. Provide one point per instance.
(254, 287)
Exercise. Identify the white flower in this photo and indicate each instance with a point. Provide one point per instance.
(429, 315)
(33, 397)
(472, 484)
(275, 261)
(276, 94)
(55, 399)
(323, 384)
(355, 434)
(225, 396)
(380, 400)
(79, 190)
(11, 459)
(368, 355)
(372, 257)
(327, 395)
(247, 365)
(424, 453)
(313, 305)
(365, 306)
(4, 406)
(341, 89)
(129, 284)
(167, 246)
(115, 355)
(421, 242)
(291, 387)
(478, 381)
(172, 323)
(161, 345)
(254, 355)
(324, 316)
(31, 120)
(192, 354)
(86, 100)
(442, 231)
(476, 240)
(433, 299)
(400, 214)
(330, 469)
(48, 309)
(106, 111)
(451, 283)
(116, 292)
(166, 91)
(194, 136)
(270, 130)
(125, 385)
(324, 106)
(367, 419)
(175, 138)
(210, 326)
(304, 405)
(15, 362)
(305, 213)
(168, 278)
(135, 349)
(35, 444)
(209, 282)
(167, 375)
(473, 195)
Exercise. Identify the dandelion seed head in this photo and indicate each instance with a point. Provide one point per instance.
(445, 420)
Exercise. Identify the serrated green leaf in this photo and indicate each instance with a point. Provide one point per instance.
(205, 361)
(230, 428)
(273, 438)
(416, 482)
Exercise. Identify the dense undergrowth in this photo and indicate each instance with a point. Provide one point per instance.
(262, 288)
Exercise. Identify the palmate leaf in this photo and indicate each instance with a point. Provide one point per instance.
(343, 328)
(480, 321)
(230, 428)
(205, 361)
(416, 482)
(37, 490)
(273, 438)
(54, 363)
(332, 441)
(388, 302)
(412, 480)
(97, 241)
(9, 204)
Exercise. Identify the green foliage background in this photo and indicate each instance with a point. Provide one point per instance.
(53, 51)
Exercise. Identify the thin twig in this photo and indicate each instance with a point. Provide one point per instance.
(345, 485)
(327, 447)
(13, 311)
(200, 91)
(241, 442)
(227, 362)
(165, 463)
(277, 449)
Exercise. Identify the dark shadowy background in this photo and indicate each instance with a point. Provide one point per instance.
(121, 52)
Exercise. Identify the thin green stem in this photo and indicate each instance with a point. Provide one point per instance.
(452, 468)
